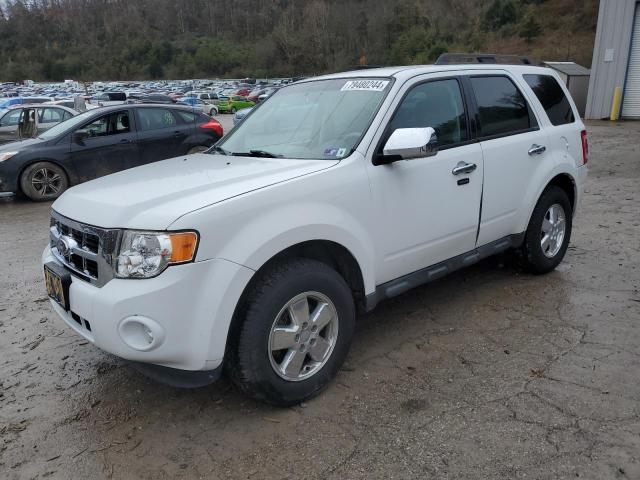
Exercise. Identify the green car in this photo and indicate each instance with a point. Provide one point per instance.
(233, 104)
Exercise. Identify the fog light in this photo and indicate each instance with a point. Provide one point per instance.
(141, 333)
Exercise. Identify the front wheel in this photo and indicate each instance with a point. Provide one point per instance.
(547, 236)
(43, 181)
(291, 333)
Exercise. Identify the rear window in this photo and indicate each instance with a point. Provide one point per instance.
(502, 109)
(552, 98)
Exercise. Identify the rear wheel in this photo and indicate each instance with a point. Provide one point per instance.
(549, 231)
(292, 332)
(43, 181)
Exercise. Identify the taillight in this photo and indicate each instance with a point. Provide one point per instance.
(585, 147)
(213, 125)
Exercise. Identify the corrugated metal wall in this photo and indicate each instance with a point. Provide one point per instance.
(631, 99)
(610, 54)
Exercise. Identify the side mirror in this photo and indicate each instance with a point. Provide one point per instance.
(407, 144)
(80, 137)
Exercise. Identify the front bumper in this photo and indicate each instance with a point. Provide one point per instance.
(188, 309)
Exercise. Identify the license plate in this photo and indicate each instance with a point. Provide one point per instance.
(57, 281)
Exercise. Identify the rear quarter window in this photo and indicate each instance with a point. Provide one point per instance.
(552, 98)
(186, 117)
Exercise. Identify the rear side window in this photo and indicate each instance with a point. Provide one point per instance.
(156, 119)
(186, 116)
(552, 98)
(437, 104)
(502, 109)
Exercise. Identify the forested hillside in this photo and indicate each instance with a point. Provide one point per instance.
(141, 39)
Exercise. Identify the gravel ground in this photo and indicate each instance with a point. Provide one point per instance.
(489, 373)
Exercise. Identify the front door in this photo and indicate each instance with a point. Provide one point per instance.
(9, 125)
(427, 213)
(105, 145)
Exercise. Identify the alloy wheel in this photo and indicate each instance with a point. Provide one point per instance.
(46, 182)
(554, 226)
(303, 336)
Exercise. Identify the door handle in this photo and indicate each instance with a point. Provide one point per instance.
(177, 134)
(537, 149)
(464, 167)
(126, 140)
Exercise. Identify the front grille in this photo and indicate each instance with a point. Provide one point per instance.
(85, 250)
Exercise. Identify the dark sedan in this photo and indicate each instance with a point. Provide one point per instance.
(99, 142)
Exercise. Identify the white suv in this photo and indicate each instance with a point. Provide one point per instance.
(335, 193)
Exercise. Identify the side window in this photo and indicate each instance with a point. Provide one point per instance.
(66, 116)
(11, 119)
(155, 118)
(51, 115)
(186, 116)
(113, 124)
(436, 104)
(552, 98)
(502, 109)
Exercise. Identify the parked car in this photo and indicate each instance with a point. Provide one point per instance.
(102, 141)
(337, 193)
(156, 98)
(233, 104)
(209, 100)
(197, 104)
(45, 117)
(254, 95)
(106, 99)
(240, 114)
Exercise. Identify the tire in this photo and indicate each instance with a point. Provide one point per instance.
(43, 181)
(261, 372)
(233, 110)
(539, 259)
(197, 149)
(213, 112)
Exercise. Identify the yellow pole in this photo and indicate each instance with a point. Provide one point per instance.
(615, 105)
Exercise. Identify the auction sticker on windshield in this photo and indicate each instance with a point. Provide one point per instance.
(367, 85)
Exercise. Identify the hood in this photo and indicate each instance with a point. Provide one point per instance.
(19, 145)
(151, 197)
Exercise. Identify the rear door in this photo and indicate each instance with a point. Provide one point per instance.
(50, 116)
(514, 150)
(161, 133)
(110, 146)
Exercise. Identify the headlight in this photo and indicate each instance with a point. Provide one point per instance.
(7, 155)
(147, 254)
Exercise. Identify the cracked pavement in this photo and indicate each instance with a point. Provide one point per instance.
(488, 373)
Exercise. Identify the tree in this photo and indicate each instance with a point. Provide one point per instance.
(500, 13)
(529, 28)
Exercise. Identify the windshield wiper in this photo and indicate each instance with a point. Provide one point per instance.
(256, 153)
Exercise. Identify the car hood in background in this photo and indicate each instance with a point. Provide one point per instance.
(153, 196)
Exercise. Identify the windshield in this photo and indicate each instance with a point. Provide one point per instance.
(323, 119)
(62, 127)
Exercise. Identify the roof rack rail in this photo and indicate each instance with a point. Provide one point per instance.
(457, 58)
